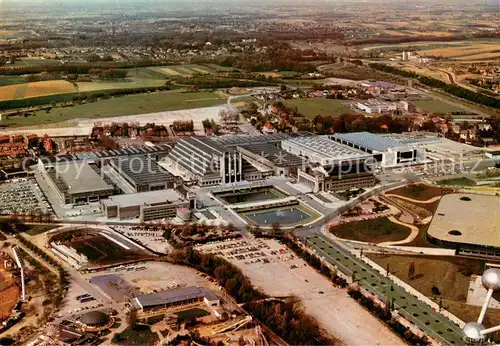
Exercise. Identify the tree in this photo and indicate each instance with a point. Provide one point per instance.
(132, 318)
(411, 271)
(275, 228)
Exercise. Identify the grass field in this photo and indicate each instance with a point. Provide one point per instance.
(35, 89)
(420, 192)
(435, 106)
(8, 80)
(450, 275)
(457, 182)
(373, 231)
(462, 50)
(125, 105)
(128, 83)
(311, 108)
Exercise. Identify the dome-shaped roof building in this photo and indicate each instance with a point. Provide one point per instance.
(94, 319)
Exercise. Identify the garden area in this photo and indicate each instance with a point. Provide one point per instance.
(372, 231)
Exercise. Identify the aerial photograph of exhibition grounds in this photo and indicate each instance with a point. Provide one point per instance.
(249, 173)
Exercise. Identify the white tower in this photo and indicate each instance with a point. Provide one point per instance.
(474, 333)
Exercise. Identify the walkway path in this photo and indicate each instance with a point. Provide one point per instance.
(414, 233)
(432, 200)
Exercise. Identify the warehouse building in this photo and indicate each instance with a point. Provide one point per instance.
(147, 206)
(331, 166)
(149, 304)
(386, 151)
(375, 106)
(142, 173)
(77, 182)
(207, 161)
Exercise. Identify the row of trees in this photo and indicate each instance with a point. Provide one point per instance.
(288, 320)
(452, 89)
(226, 274)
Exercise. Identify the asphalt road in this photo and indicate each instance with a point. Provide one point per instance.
(419, 313)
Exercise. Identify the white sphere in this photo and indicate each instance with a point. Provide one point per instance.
(472, 333)
(491, 279)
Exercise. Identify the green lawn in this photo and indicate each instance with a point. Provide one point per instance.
(372, 231)
(435, 106)
(136, 335)
(118, 106)
(311, 108)
(457, 182)
(8, 80)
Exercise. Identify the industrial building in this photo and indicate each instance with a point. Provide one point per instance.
(142, 173)
(147, 206)
(386, 151)
(77, 182)
(207, 161)
(331, 166)
(374, 106)
(155, 303)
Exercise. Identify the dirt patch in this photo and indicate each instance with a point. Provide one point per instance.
(9, 291)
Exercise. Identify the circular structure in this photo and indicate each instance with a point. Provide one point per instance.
(94, 319)
(491, 279)
(472, 333)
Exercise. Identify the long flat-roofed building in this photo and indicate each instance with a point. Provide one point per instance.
(147, 206)
(386, 151)
(331, 166)
(142, 173)
(77, 182)
(162, 301)
(278, 160)
(207, 161)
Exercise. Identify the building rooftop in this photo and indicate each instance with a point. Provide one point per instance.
(368, 140)
(174, 296)
(144, 198)
(142, 170)
(327, 148)
(236, 140)
(278, 156)
(80, 177)
(475, 217)
(94, 318)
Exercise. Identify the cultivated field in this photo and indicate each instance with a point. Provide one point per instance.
(311, 108)
(122, 106)
(463, 50)
(184, 70)
(35, 89)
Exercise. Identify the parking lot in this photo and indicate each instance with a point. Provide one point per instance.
(152, 238)
(277, 271)
(22, 196)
